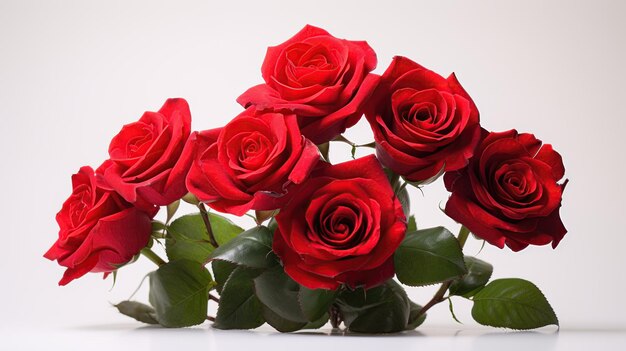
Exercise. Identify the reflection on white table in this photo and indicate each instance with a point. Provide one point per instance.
(133, 337)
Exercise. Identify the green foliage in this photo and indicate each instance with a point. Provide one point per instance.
(384, 309)
(221, 272)
(512, 303)
(139, 311)
(179, 292)
(415, 318)
(478, 274)
(411, 224)
(315, 303)
(252, 249)
(429, 256)
(239, 308)
(188, 237)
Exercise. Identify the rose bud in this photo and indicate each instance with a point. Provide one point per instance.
(322, 79)
(99, 231)
(250, 163)
(509, 193)
(341, 226)
(423, 124)
(146, 165)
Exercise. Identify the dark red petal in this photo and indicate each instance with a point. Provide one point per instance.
(369, 278)
(552, 158)
(457, 208)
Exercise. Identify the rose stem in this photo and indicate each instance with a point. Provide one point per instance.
(462, 238)
(207, 223)
(214, 298)
(335, 316)
(152, 256)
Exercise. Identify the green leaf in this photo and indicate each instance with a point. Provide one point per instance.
(171, 210)
(451, 308)
(279, 323)
(139, 311)
(178, 292)
(252, 249)
(189, 239)
(221, 272)
(512, 303)
(478, 274)
(315, 302)
(320, 322)
(158, 227)
(411, 225)
(277, 291)
(272, 225)
(415, 318)
(429, 256)
(405, 200)
(190, 199)
(384, 309)
(284, 302)
(239, 308)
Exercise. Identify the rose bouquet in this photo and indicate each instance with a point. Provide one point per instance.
(330, 238)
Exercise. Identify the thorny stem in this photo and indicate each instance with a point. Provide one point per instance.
(152, 256)
(207, 223)
(439, 295)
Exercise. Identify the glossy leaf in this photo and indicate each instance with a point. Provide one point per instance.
(279, 292)
(478, 275)
(315, 302)
(429, 256)
(139, 311)
(280, 323)
(384, 309)
(221, 272)
(411, 225)
(415, 318)
(320, 322)
(189, 239)
(239, 308)
(178, 292)
(171, 210)
(252, 249)
(512, 303)
(405, 200)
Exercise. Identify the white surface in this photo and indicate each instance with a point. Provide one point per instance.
(130, 337)
(73, 72)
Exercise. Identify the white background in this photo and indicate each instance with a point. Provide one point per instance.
(73, 72)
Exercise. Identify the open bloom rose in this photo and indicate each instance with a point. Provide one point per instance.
(423, 124)
(509, 194)
(99, 231)
(322, 79)
(341, 226)
(145, 164)
(250, 163)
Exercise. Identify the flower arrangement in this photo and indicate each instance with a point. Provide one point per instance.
(333, 242)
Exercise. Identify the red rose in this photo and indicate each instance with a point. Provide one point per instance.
(250, 163)
(145, 164)
(322, 79)
(341, 226)
(509, 194)
(99, 231)
(423, 124)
